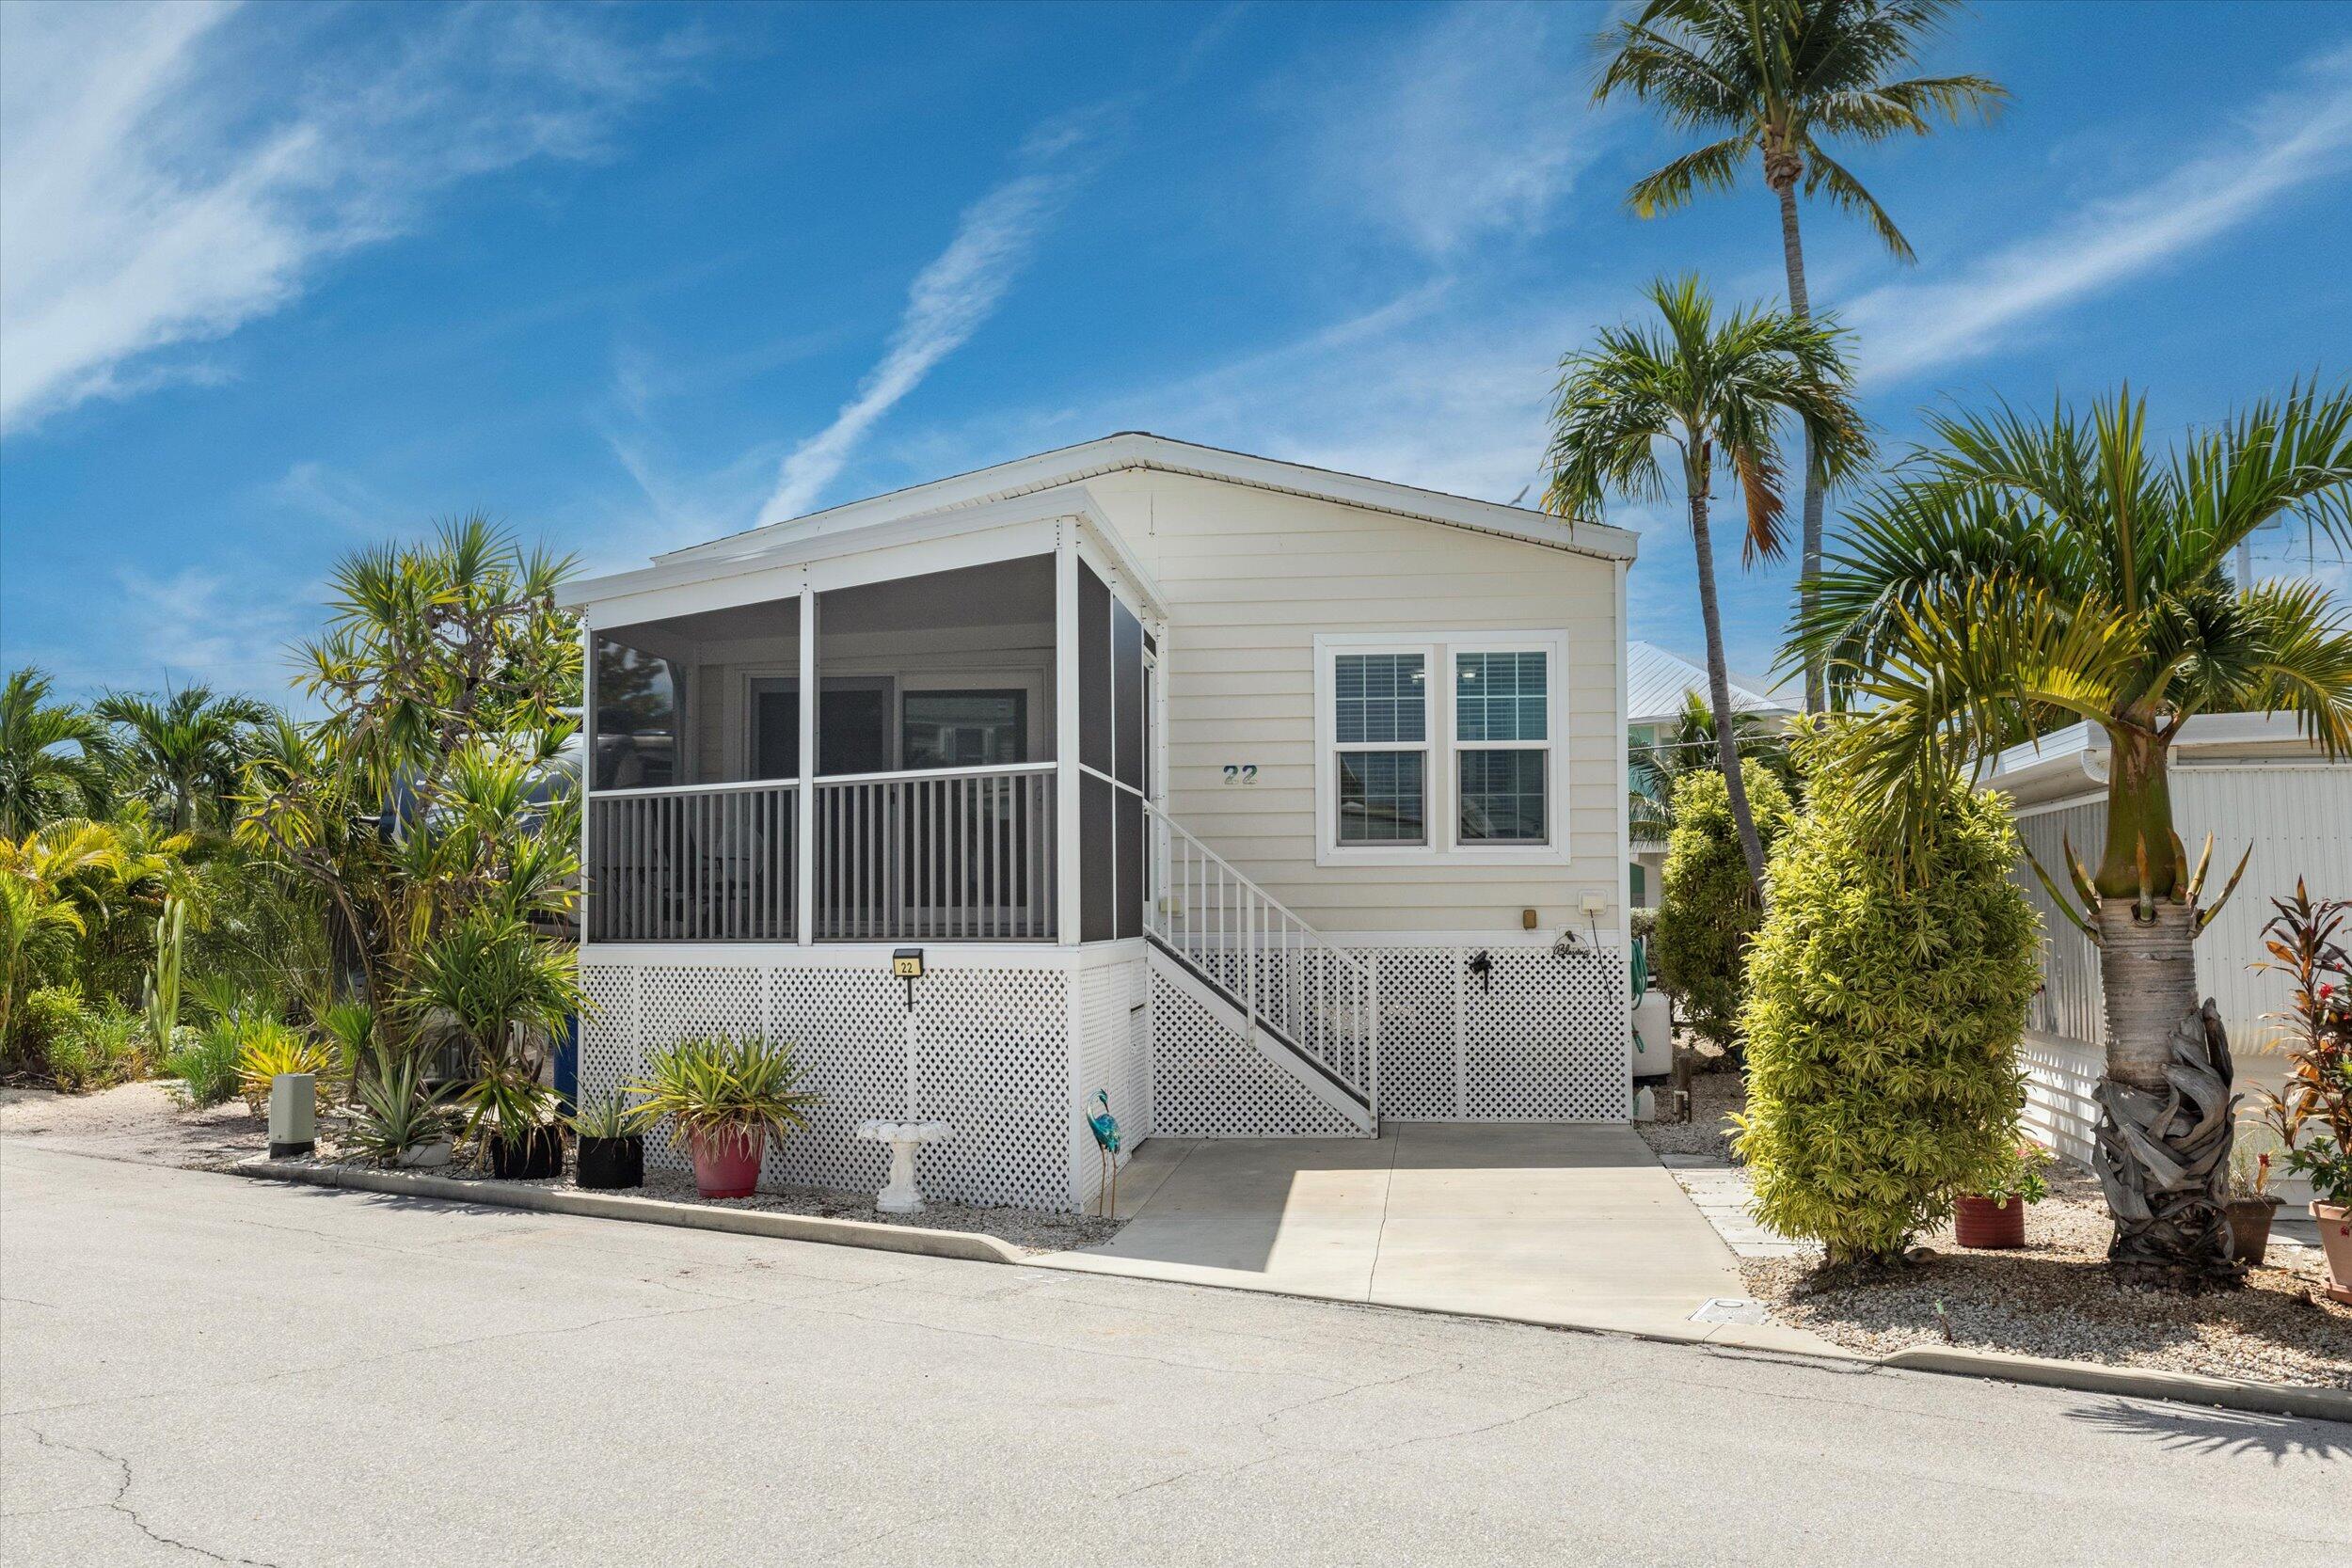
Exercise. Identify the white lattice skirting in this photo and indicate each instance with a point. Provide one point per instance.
(1544, 1037)
(993, 1058)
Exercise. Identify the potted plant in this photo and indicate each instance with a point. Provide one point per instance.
(511, 1116)
(2250, 1206)
(398, 1119)
(723, 1096)
(1994, 1219)
(611, 1155)
(2313, 1112)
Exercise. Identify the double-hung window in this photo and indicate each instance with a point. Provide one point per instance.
(1442, 749)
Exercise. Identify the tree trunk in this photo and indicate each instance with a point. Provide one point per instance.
(1809, 564)
(1718, 689)
(2166, 1112)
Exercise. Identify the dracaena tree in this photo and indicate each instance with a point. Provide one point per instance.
(1718, 394)
(2022, 574)
(1776, 83)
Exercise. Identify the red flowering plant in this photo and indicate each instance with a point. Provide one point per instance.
(2312, 1111)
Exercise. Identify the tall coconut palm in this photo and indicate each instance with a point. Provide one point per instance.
(182, 755)
(1719, 393)
(53, 757)
(1775, 79)
(2024, 573)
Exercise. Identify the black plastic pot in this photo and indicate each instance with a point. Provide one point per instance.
(608, 1163)
(535, 1157)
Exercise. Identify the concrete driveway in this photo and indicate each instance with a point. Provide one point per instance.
(1545, 1223)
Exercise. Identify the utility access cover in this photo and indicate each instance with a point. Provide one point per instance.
(1730, 1309)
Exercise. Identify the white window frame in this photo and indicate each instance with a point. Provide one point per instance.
(1440, 771)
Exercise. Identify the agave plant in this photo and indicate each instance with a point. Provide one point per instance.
(397, 1111)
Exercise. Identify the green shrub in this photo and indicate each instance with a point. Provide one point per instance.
(85, 1047)
(1707, 911)
(1882, 1018)
(205, 1062)
(267, 1049)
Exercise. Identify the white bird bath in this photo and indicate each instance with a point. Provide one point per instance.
(904, 1137)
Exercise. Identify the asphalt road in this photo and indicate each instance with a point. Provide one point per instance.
(197, 1368)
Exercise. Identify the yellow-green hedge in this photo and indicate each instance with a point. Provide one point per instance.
(1707, 913)
(1882, 1017)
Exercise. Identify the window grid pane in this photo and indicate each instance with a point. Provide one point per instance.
(1502, 797)
(1382, 798)
(1380, 699)
(1502, 696)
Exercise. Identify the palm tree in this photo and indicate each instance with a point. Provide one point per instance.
(1719, 394)
(183, 753)
(1777, 78)
(40, 780)
(1690, 746)
(2026, 573)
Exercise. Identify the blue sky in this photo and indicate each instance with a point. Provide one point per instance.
(280, 281)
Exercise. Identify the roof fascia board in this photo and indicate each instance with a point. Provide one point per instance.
(809, 556)
(1076, 464)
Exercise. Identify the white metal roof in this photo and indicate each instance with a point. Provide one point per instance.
(2075, 759)
(1141, 449)
(1656, 683)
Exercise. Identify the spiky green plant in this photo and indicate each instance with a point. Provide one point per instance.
(394, 1110)
(160, 992)
(1882, 1016)
(718, 1088)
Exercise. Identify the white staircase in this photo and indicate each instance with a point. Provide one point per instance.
(1307, 1011)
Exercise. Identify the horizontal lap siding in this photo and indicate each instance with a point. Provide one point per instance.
(1251, 578)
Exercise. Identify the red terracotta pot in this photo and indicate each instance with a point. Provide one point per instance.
(2335, 1240)
(726, 1165)
(1989, 1225)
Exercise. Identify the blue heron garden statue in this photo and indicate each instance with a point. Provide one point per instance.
(1105, 1127)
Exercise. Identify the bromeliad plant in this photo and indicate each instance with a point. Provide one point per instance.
(2312, 1113)
(267, 1047)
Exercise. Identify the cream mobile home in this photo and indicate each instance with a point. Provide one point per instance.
(1263, 800)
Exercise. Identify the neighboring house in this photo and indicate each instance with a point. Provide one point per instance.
(1658, 687)
(1268, 799)
(2252, 781)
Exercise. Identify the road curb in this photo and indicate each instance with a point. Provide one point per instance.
(966, 1245)
(2266, 1398)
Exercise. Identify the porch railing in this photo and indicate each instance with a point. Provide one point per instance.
(1280, 971)
(952, 854)
(693, 863)
(955, 854)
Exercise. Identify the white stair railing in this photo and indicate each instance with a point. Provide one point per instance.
(1280, 971)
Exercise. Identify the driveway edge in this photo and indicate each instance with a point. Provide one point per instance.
(2267, 1398)
(966, 1245)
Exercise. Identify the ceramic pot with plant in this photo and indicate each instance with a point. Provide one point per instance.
(611, 1154)
(397, 1119)
(510, 1115)
(723, 1096)
(2250, 1207)
(2312, 1111)
(1994, 1219)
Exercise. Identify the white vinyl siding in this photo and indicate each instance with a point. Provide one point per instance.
(1252, 578)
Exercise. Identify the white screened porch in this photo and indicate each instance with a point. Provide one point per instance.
(948, 740)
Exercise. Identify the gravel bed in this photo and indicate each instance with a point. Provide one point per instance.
(1706, 1135)
(2053, 1297)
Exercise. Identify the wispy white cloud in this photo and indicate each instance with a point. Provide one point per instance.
(1478, 126)
(154, 194)
(948, 302)
(2298, 138)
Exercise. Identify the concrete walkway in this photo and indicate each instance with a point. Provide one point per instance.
(1565, 1225)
